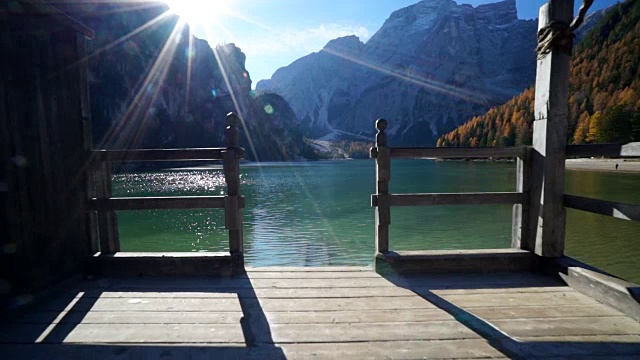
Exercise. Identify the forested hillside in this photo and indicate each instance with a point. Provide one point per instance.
(604, 88)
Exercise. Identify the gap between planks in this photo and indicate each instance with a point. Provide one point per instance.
(313, 300)
(316, 304)
(293, 293)
(315, 333)
(310, 317)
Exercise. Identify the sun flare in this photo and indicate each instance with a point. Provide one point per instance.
(198, 11)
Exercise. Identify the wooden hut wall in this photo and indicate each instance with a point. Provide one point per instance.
(43, 155)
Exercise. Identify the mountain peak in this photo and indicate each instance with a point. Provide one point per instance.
(348, 43)
(502, 12)
(423, 7)
(476, 55)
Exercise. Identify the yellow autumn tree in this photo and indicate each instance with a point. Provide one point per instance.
(595, 127)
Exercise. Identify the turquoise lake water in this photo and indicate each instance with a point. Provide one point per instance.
(318, 213)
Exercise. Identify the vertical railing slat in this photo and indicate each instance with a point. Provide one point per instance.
(520, 224)
(92, 216)
(107, 220)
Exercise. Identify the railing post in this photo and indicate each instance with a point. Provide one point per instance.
(85, 109)
(92, 216)
(107, 220)
(520, 224)
(232, 209)
(547, 212)
(383, 175)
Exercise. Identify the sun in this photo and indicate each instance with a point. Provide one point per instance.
(198, 11)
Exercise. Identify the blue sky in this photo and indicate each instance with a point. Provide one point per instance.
(274, 33)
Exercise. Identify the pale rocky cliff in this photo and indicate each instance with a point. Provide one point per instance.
(430, 67)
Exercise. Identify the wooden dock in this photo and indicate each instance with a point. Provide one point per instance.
(336, 313)
(528, 301)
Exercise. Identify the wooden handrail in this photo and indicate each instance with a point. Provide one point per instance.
(427, 199)
(453, 152)
(168, 202)
(162, 154)
(612, 150)
(603, 207)
(583, 150)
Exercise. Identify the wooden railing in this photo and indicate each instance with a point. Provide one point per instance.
(523, 222)
(102, 204)
(597, 206)
(383, 200)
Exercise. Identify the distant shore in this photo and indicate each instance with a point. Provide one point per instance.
(605, 165)
(602, 165)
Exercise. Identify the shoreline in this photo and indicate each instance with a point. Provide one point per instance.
(627, 166)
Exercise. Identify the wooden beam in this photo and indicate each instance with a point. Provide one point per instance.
(487, 198)
(603, 207)
(617, 293)
(451, 152)
(162, 154)
(609, 150)
(454, 261)
(547, 214)
(520, 213)
(162, 264)
(91, 220)
(44, 8)
(169, 202)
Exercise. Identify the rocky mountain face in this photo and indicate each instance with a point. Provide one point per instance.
(430, 67)
(153, 85)
(604, 90)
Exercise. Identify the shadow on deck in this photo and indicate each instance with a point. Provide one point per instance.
(145, 318)
(276, 313)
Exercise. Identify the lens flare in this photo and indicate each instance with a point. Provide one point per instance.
(198, 11)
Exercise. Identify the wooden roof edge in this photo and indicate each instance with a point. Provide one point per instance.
(45, 8)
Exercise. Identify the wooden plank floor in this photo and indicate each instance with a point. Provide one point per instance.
(335, 313)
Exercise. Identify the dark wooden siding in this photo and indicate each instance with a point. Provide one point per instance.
(43, 117)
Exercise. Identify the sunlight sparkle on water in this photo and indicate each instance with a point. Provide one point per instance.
(179, 182)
